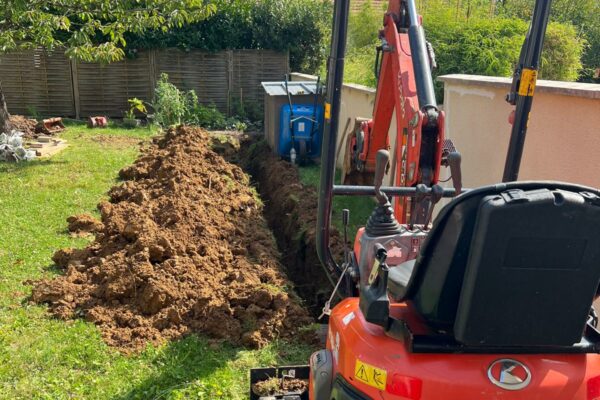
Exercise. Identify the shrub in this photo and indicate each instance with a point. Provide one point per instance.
(364, 26)
(298, 26)
(170, 105)
(583, 15)
(174, 107)
(360, 66)
(561, 56)
(469, 40)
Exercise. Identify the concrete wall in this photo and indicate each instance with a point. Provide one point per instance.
(563, 140)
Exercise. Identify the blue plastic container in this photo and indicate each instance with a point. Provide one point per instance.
(307, 126)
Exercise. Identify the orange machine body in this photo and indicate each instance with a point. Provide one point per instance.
(381, 367)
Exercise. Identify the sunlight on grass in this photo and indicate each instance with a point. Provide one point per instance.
(44, 358)
(360, 207)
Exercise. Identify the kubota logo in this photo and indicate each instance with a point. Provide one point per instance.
(509, 374)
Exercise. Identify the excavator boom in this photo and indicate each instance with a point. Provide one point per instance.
(405, 87)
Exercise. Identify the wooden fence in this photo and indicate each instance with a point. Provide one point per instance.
(51, 84)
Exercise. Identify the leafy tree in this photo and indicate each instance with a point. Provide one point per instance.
(89, 30)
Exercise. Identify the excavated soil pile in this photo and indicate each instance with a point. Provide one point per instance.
(291, 209)
(183, 248)
(23, 124)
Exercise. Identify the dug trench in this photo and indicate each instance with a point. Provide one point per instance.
(185, 245)
(291, 211)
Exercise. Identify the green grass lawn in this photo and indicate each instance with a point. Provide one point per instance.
(44, 358)
(360, 207)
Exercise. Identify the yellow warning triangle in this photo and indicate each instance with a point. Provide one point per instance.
(362, 374)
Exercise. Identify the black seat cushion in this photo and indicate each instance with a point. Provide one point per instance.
(436, 284)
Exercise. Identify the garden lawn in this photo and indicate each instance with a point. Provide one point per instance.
(45, 358)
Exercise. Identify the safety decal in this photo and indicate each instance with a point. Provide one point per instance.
(346, 320)
(327, 111)
(370, 375)
(528, 82)
(374, 272)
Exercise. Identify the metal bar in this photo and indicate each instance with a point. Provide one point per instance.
(332, 118)
(525, 75)
(420, 56)
(342, 190)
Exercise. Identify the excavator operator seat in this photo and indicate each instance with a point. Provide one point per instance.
(514, 264)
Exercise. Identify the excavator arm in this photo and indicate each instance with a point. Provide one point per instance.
(405, 86)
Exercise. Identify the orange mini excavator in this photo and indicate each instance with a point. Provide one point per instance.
(494, 300)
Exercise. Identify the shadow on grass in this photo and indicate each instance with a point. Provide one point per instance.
(188, 368)
(193, 368)
(28, 165)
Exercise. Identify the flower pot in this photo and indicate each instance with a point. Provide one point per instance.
(130, 122)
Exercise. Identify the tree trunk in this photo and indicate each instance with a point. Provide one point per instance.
(4, 115)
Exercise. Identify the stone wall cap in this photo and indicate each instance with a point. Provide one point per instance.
(577, 89)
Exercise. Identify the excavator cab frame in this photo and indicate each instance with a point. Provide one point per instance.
(495, 303)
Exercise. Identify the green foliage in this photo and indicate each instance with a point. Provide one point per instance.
(481, 47)
(298, 26)
(359, 66)
(470, 38)
(562, 53)
(364, 26)
(135, 104)
(91, 30)
(174, 107)
(583, 15)
(170, 104)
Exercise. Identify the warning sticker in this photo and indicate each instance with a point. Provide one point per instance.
(528, 82)
(327, 111)
(370, 375)
(374, 272)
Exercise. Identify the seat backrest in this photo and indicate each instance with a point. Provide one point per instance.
(511, 265)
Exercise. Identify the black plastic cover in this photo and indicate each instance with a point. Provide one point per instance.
(436, 285)
(532, 271)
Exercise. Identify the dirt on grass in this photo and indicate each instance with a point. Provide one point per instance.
(183, 248)
(83, 225)
(291, 209)
(116, 140)
(23, 124)
(277, 386)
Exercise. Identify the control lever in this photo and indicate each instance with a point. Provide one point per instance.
(454, 161)
(437, 193)
(420, 204)
(452, 158)
(381, 163)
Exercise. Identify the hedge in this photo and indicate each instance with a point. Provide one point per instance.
(298, 26)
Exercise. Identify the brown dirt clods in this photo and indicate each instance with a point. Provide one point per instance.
(23, 124)
(182, 248)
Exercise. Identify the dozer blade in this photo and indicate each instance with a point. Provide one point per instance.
(279, 383)
(50, 126)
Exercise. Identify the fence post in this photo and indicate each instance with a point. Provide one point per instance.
(153, 74)
(230, 68)
(75, 84)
